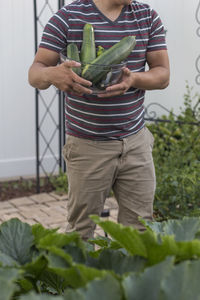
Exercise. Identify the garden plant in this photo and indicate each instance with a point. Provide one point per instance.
(177, 160)
(161, 263)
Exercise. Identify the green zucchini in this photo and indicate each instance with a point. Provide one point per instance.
(114, 55)
(73, 53)
(88, 48)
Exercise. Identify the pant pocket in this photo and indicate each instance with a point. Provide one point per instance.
(70, 149)
(150, 138)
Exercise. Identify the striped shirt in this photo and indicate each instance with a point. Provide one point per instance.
(116, 117)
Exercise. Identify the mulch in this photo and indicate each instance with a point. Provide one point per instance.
(22, 188)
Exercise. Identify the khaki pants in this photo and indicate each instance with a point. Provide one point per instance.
(94, 167)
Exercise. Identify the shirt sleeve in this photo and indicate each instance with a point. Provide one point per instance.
(157, 33)
(54, 35)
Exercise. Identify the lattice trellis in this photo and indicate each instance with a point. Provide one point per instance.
(50, 133)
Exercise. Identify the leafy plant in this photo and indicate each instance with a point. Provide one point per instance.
(60, 182)
(161, 263)
(177, 160)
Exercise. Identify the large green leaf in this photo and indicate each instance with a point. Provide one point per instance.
(25, 284)
(9, 273)
(6, 260)
(183, 230)
(7, 285)
(116, 261)
(159, 247)
(106, 288)
(7, 289)
(78, 275)
(51, 281)
(147, 285)
(36, 267)
(165, 281)
(16, 240)
(58, 258)
(40, 232)
(75, 295)
(188, 250)
(34, 296)
(128, 237)
(155, 247)
(77, 254)
(67, 242)
(146, 244)
(60, 240)
(182, 283)
(101, 241)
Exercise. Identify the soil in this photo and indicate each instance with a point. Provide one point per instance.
(23, 187)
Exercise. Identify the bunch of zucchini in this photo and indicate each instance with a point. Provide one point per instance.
(90, 58)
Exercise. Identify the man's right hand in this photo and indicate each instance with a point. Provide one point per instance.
(63, 77)
(46, 71)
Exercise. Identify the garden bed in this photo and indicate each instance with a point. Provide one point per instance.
(23, 187)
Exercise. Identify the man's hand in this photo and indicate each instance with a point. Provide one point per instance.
(46, 71)
(63, 77)
(120, 88)
(157, 77)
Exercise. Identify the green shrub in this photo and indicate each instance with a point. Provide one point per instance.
(177, 160)
(60, 182)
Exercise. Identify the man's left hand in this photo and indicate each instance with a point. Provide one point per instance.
(120, 88)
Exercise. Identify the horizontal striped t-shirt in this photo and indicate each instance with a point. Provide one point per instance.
(116, 117)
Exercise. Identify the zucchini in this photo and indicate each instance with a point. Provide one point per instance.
(114, 55)
(88, 48)
(72, 53)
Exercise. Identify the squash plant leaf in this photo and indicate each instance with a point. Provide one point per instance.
(7, 285)
(7, 289)
(60, 240)
(128, 237)
(34, 296)
(116, 261)
(16, 240)
(100, 241)
(36, 266)
(53, 282)
(57, 258)
(7, 261)
(78, 254)
(78, 275)
(155, 247)
(183, 230)
(147, 285)
(25, 284)
(182, 283)
(105, 288)
(40, 232)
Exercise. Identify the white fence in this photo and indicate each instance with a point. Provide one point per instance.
(17, 105)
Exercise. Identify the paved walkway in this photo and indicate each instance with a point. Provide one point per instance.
(47, 209)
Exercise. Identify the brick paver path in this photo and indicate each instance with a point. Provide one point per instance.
(50, 210)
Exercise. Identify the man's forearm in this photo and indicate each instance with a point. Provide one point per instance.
(38, 76)
(155, 78)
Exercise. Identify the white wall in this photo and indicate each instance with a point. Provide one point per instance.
(183, 43)
(17, 112)
(17, 104)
